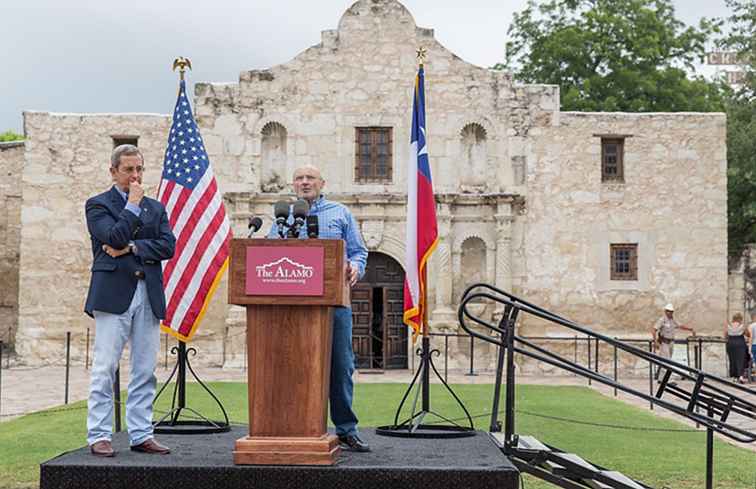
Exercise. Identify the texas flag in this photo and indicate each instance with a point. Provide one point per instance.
(422, 230)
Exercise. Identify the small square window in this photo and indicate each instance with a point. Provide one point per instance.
(624, 261)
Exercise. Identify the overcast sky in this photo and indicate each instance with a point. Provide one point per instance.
(107, 56)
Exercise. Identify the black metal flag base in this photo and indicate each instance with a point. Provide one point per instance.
(418, 424)
(197, 424)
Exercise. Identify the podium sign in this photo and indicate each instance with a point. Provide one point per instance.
(283, 270)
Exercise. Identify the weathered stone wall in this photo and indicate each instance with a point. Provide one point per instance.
(11, 163)
(362, 75)
(67, 161)
(673, 203)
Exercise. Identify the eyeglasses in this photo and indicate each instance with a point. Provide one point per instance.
(128, 170)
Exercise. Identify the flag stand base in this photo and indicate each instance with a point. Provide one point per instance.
(197, 424)
(414, 426)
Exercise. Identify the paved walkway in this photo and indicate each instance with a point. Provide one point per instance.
(25, 390)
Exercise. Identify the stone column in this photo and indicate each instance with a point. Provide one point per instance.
(503, 263)
(443, 314)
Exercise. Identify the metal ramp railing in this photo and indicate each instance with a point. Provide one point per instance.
(564, 469)
(709, 401)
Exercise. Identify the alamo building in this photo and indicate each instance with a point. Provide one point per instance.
(600, 217)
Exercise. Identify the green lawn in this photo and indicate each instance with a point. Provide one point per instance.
(658, 458)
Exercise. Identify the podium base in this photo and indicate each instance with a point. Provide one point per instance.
(278, 450)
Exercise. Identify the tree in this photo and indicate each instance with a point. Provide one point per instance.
(741, 129)
(9, 136)
(612, 55)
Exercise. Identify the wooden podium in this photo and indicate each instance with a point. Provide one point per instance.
(288, 345)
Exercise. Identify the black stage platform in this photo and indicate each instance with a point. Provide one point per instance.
(205, 462)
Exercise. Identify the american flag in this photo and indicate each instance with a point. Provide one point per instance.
(189, 192)
(422, 229)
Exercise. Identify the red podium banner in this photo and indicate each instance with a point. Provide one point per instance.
(284, 270)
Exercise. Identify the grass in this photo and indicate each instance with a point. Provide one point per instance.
(658, 458)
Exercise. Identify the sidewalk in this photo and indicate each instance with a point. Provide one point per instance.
(26, 390)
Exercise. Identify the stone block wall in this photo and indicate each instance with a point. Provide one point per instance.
(11, 164)
(67, 161)
(362, 74)
(673, 204)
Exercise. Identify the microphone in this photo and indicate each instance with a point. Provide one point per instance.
(312, 227)
(300, 209)
(254, 225)
(281, 211)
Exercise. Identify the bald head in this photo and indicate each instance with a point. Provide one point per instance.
(308, 183)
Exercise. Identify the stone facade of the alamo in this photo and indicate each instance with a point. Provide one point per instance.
(526, 200)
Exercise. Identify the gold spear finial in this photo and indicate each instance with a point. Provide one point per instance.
(182, 64)
(422, 53)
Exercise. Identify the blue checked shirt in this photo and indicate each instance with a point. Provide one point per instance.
(335, 222)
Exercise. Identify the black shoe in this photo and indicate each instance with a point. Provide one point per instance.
(352, 443)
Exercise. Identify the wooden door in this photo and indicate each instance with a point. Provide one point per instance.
(379, 337)
(395, 331)
(362, 314)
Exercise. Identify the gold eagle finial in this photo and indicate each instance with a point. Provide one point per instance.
(182, 64)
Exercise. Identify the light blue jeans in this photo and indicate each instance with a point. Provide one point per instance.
(342, 368)
(112, 331)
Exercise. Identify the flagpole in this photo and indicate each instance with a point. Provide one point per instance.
(422, 53)
(170, 423)
(414, 425)
(426, 350)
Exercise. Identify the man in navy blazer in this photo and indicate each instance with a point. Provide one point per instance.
(130, 236)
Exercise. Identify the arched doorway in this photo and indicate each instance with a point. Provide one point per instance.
(379, 337)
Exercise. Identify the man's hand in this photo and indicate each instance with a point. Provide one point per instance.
(114, 252)
(136, 192)
(352, 274)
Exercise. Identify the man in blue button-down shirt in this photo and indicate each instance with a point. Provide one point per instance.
(336, 222)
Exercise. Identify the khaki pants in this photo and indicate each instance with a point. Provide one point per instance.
(665, 350)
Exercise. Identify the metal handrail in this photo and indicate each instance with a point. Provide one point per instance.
(711, 394)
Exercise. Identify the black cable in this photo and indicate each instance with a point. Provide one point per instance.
(607, 425)
(576, 421)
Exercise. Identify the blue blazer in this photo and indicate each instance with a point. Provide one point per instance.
(113, 279)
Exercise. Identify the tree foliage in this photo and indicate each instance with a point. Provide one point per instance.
(612, 55)
(9, 136)
(741, 129)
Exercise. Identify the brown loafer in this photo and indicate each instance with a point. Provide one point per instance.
(102, 448)
(151, 446)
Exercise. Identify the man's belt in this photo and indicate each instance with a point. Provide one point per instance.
(666, 340)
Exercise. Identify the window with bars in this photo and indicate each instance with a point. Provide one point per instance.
(612, 160)
(624, 257)
(373, 155)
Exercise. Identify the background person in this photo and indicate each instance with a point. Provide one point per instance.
(736, 334)
(664, 332)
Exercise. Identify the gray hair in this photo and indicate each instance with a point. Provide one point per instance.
(124, 150)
